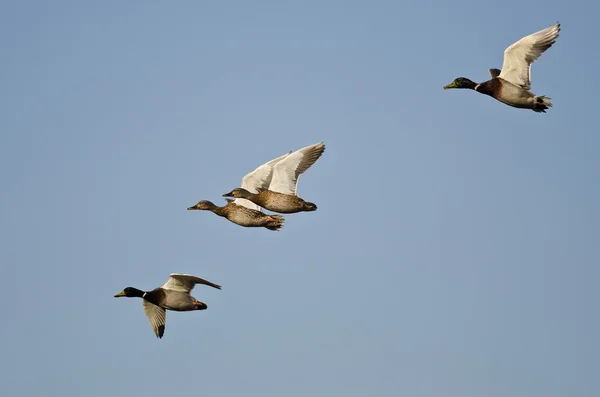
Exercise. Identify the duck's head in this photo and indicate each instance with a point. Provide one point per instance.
(130, 292)
(203, 205)
(238, 193)
(461, 82)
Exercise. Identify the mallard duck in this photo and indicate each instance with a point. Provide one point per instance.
(242, 215)
(173, 295)
(274, 185)
(511, 85)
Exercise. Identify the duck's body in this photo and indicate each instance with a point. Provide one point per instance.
(513, 95)
(173, 300)
(241, 215)
(274, 201)
(274, 185)
(511, 85)
(173, 295)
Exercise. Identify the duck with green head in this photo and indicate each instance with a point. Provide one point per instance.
(173, 295)
(511, 85)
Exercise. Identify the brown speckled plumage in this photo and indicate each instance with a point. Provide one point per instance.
(241, 215)
(274, 201)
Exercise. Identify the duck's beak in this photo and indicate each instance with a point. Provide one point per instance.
(230, 194)
(191, 208)
(451, 85)
(122, 293)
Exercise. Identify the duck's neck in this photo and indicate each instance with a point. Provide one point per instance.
(247, 195)
(469, 85)
(221, 211)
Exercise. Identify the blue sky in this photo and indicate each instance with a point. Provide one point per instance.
(454, 251)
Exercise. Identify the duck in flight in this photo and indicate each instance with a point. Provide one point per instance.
(242, 213)
(274, 185)
(511, 85)
(173, 295)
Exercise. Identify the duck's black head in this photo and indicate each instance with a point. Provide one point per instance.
(461, 82)
(130, 292)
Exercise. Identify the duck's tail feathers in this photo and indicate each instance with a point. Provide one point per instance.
(275, 223)
(541, 104)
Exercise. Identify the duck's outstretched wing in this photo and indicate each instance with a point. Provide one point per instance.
(157, 317)
(185, 282)
(520, 55)
(257, 180)
(287, 171)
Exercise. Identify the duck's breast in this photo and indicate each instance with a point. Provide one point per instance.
(511, 94)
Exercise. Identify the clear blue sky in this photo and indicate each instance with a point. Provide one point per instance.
(454, 251)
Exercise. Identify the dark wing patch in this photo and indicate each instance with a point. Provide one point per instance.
(495, 73)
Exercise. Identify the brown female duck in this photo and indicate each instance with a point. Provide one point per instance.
(274, 201)
(511, 85)
(242, 215)
(274, 185)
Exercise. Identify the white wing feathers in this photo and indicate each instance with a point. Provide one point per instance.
(246, 203)
(287, 171)
(520, 55)
(185, 282)
(260, 178)
(157, 317)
